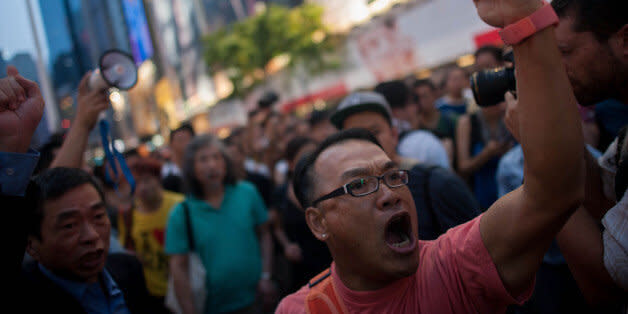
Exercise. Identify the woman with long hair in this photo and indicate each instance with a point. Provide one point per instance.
(228, 225)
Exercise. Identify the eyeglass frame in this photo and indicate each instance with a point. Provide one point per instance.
(345, 190)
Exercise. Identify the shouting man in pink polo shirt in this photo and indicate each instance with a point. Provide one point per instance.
(357, 202)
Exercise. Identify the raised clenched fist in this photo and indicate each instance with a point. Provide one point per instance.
(500, 13)
(21, 108)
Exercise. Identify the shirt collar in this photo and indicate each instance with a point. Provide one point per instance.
(77, 289)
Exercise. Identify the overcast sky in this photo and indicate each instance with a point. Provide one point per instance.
(16, 35)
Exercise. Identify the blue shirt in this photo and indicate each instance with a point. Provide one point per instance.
(443, 105)
(226, 242)
(510, 177)
(15, 171)
(91, 295)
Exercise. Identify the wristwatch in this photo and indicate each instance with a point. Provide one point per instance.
(266, 275)
(530, 25)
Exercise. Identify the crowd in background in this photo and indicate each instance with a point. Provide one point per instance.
(232, 201)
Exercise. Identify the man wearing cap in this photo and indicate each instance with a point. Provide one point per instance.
(418, 144)
(356, 201)
(442, 199)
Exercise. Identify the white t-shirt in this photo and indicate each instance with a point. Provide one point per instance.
(615, 221)
(616, 242)
(170, 168)
(424, 147)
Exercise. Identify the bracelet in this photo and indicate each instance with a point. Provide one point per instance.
(530, 25)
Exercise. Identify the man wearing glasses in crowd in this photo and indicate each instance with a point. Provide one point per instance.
(479, 267)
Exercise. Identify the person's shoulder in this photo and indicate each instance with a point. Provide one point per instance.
(117, 261)
(294, 303)
(30, 271)
(245, 186)
(514, 155)
(438, 176)
(441, 101)
(173, 197)
(419, 137)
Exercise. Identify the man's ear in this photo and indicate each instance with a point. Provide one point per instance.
(395, 136)
(316, 222)
(32, 247)
(620, 42)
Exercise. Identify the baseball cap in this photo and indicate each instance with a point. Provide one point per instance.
(360, 102)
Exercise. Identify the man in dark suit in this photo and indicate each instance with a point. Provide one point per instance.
(69, 239)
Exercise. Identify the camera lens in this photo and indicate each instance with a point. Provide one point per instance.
(489, 86)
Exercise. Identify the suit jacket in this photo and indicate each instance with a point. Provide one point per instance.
(42, 295)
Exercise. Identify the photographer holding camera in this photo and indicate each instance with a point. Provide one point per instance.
(592, 37)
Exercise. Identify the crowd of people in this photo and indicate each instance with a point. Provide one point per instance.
(410, 197)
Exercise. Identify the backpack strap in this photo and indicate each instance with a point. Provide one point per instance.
(322, 297)
(188, 226)
(428, 197)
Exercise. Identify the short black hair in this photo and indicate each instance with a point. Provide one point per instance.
(601, 17)
(396, 93)
(319, 116)
(424, 82)
(131, 153)
(303, 182)
(295, 145)
(184, 127)
(53, 184)
(268, 99)
(232, 138)
(495, 51)
(46, 155)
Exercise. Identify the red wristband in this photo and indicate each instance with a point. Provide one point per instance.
(528, 26)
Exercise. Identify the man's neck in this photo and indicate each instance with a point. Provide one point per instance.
(455, 98)
(355, 282)
(430, 116)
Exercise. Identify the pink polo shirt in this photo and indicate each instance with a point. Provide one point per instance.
(455, 275)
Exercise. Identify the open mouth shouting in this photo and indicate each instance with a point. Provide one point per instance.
(398, 234)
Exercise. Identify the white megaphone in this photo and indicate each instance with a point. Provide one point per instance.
(116, 69)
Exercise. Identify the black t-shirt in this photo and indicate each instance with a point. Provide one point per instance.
(316, 256)
(442, 200)
(263, 184)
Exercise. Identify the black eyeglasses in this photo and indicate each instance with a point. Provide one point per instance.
(367, 185)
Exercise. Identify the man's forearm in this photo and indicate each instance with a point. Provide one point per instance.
(266, 244)
(71, 153)
(549, 122)
(587, 266)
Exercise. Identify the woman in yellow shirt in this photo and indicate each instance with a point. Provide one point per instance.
(146, 221)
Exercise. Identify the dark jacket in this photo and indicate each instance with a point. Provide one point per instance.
(41, 295)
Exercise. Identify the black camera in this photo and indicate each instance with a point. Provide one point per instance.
(489, 86)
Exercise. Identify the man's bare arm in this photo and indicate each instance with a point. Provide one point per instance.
(90, 104)
(581, 244)
(518, 229)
